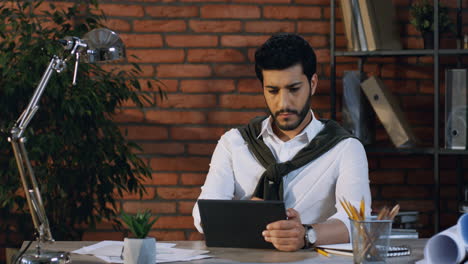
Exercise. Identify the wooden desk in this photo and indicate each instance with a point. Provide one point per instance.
(243, 255)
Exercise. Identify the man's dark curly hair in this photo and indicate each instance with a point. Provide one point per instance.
(282, 51)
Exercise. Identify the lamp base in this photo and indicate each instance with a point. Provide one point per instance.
(45, 257)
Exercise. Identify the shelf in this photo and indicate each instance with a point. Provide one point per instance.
(444, 151)
(408, 52)
(393, 150)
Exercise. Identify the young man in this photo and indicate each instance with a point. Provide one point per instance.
(290, 155)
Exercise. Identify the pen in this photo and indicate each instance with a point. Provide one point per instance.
(321, 252)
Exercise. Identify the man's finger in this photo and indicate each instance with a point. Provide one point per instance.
(282, 233)
(291, 213)
(282, 224)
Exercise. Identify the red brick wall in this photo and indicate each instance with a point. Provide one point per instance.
(202, 50)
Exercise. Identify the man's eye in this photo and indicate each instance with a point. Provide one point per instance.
(273, 91)
(293, 90)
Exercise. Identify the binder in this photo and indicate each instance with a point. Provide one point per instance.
(350, 26)
(389, 112)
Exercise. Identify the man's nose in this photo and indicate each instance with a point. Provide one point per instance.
(284, 99)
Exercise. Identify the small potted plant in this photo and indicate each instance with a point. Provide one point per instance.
(422, 18)
(141, 249)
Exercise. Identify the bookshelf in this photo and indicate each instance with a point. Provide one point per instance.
(435, 151)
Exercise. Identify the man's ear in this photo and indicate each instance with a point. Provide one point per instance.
(313, 84)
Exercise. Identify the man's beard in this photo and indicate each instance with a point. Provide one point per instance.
(301, 115)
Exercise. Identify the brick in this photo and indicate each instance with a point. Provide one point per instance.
(100, 236)
(234, 70)
(174, 222)
(196, 133)
(235, 101)
(417, 205)
(142, 40)
(215, 55)
(215, 26)
(420, 177)
(128, 115)
(178, 193)
(150, 193)
(269, 26)
(193, 178)
(155, 207)
(249, 86)
(195, 236)
(119, 25)
(387, 177)
(168, 85)
(405, 192)
(230, 11)
(172, 11)
(159, 25)
(122, 10)
(155, 55)
(146, 71)
(232, 118)
(194, 86)
(192, 40)
(183, 70)
(162, 179)
(185, 207)
(180, 164)
(291, 12)
(175, 117)
(406, 163)
(144, 132)
(45, 6)
(316, 27)
(167, 235)
(201, 149)
(449, 192)
(162, 148)
(243, 41)
(188, 101)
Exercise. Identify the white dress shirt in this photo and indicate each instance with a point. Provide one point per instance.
(313, 190)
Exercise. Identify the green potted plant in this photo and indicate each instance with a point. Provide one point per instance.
(140, 249)
(81, 158)
(422, 18)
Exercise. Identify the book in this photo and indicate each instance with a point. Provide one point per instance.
(360, 27)
(350, 26)
(378, 20)
(358, 118)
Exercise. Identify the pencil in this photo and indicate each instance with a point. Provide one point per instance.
(321, 252)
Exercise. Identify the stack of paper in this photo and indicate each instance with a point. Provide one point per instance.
(111, 251)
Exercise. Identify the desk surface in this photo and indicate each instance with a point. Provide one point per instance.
(243, 255)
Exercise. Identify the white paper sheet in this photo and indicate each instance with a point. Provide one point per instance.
(110, 251)
(448, 246)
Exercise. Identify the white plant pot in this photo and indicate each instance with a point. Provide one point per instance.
(139, 250)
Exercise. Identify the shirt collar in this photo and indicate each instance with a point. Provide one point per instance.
(308, 133)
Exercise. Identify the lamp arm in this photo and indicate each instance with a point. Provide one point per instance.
(17, 140)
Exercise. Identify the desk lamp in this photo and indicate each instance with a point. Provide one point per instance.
(97, 45)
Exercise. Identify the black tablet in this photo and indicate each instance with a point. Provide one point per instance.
(238, 223)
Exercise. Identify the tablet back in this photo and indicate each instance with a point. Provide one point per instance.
(238, 223)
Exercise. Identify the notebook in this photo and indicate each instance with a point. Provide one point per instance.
(238, 223)
(347, 250)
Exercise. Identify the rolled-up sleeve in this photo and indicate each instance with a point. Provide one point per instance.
(353, 181)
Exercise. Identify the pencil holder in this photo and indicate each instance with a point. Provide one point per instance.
(370, 239)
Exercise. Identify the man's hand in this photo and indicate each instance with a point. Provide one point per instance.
(286, 235)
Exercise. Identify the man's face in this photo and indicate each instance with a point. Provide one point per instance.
(287, 94)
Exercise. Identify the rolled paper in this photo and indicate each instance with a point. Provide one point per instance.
(445, 247)
(462, 225)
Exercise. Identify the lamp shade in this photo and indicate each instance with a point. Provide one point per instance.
(103, 45)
